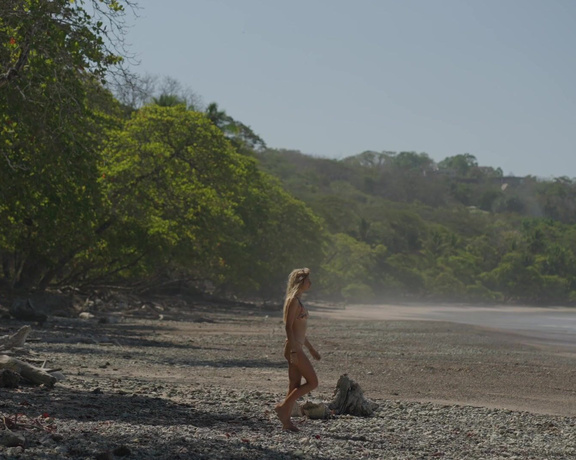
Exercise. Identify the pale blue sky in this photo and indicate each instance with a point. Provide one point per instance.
(333, 78)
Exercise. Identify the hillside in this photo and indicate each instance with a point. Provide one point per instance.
(402, 226)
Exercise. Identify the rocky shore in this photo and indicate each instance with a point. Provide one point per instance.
(171, 422)
(202, 383)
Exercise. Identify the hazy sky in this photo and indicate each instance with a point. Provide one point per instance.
(333, 78)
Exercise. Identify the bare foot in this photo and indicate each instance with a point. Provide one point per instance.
(291, 427)
(285, 418)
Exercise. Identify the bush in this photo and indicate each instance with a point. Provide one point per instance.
(446, 285)
(358, 293)
(479, 293)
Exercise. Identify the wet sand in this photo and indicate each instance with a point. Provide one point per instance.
(483, 358)
(554, 326)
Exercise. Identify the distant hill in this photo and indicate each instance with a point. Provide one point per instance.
(402, 225)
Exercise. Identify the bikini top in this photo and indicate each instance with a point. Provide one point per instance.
(303, 312)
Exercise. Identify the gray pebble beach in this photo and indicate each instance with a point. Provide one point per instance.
(204, 387)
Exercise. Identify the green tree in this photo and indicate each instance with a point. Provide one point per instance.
(278, 233)
(347, 269)
(456, 231)
(415, 162)
(462, 164)
(56, 40)
(405, 270)
(556, 199)
(185, 205)
(168, 100)
(53, 57)
(174, 184)
(241, 135)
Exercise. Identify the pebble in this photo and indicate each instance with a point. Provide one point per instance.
(86, 415)
(212, 422)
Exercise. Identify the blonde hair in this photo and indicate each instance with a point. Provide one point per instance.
(295, 280)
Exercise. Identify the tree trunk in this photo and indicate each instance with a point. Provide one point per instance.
(349, 399)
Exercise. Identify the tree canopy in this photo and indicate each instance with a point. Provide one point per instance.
(53, 58)
(448, 231)
(146, 189)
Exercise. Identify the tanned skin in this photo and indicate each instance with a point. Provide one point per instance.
(299, 366)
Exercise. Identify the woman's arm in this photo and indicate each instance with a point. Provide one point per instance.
(312, 350)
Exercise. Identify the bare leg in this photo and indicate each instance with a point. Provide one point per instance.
(294, 374)
(284, 410)
(295, 380)
(294, 377)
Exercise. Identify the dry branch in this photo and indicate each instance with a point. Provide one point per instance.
(10, 365)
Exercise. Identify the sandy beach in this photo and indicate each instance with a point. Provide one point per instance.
(550, 325)
(204, 380)
(398, 358)
(467, 355)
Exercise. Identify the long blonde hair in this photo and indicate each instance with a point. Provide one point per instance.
(295, 280)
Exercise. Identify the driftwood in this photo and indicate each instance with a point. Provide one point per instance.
(8, 342)
(10, 366)
(31, 373)
(315, 410)
(349, 399)
(9, 379)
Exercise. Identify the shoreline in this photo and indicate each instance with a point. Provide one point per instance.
(203, 382)
(476, 364)
(400, 359)
(553, 326)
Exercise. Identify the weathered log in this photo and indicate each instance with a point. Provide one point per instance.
(349, 399)
(7, 342)
(27, 371)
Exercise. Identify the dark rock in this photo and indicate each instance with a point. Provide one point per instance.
(25, 310)
(11, 439)
(122, 451)
(9, 379)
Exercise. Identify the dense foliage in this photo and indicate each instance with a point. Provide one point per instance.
(184, 204)
(96, 192)
(93, 193)
(52, 58)
(403, 226)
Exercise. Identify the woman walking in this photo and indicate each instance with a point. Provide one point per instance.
(299, 366)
